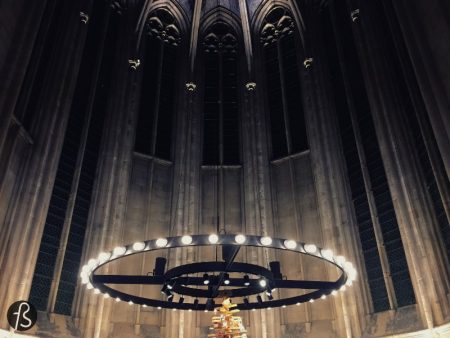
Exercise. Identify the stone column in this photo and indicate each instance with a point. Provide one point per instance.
(27, 212)
(422, 26)
(21, 22)
(256, 182)
(105, 225)
(425, 26)
(388, 101)
(339, 229)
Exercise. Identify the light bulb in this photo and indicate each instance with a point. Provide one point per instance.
(263, 283)
(213, 238)
(290, 244)
(104, 256)
(186, 240)
(92, 263)
(340, 260)
(240, 239)
(138, 246)
(161, 242)
(266, 240)
(327, 254)
(119, 251)
(310, 248)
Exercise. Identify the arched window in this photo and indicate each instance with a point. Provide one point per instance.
(154, 129)
(282, 68)
(221, 117)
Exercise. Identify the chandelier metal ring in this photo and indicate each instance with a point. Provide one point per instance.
(180, 278)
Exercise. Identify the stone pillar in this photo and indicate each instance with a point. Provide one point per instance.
(257, 194)
(105, 226)
(19, 28)
(425, 25)
(339, 229)
(28, 210)
(429, 56)
(388, 101)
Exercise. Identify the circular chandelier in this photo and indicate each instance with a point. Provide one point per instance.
(215, 282)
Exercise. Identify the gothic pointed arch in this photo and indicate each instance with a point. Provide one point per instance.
(163, 37)
(221, 47)
(280, 44)
(166, 19)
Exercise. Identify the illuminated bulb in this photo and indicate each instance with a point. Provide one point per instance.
(159, 307)
(327, 254)
(263, 283)
(83, 275)
(240, 239)
(104, 256)
(253, 310)
(186, 240)
(269, 308)
(161, 242)
(206, 310)
(89, 286)
(311, 300)
(323, 297)
(92, 263)
(284, 306)
(130, 303)
(266, 240)
(340, 260)
(353, 274)
(96, 291)
(85, 268)
(174, 309)
(84, 280)
(298, 304)
(226, 279)
(119, 251)
(310, 248)
(106, 295)
(145, 305)
(213, 238)
(138, 246)
(190, 310)
(342, 288)
(349, 282)
(290, 244)
(334, 292)
(117, 299)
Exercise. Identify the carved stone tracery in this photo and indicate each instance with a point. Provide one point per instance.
(163, 25)
(220, 38)
(278, 23)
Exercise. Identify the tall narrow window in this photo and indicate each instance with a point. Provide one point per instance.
(221, 114)
(66, 183)
(287, 120)
(154, 130)
(387, 270)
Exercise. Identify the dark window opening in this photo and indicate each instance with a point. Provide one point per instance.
(287, 120)
(157, 106)
(56, 215)
(403, 289)
(221, 113)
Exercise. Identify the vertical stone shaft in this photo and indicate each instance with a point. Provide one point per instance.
(429, 51)
(335, 211)
(108, 204)
(28, 210)
(410, 198)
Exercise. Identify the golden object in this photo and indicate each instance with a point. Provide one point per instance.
(225, 324)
